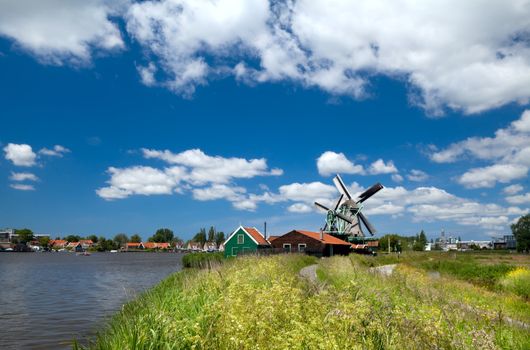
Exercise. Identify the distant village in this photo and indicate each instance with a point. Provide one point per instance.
(244, 240)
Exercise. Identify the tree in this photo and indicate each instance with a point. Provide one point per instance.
(93, 238)
(521, 232)
(162, 235)
(44, 241)
(200, 237)
(72, 238)
(211, 234)
(219, 238)
(121, 239)
(105, 244)
(136, 238)
(420, 242)
(24, 235)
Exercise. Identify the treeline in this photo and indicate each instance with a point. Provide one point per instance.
(400, 243)
(101, 243)
(212, 236)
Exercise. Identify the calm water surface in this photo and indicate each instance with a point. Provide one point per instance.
(48, 299)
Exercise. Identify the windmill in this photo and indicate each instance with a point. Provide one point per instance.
(344, 221)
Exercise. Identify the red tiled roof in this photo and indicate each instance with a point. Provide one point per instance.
(372, 243)
(134, 244)
(86, 241)
(258, 237)
(154, 245)
(58, 242)
(328, 239)
(272, 238)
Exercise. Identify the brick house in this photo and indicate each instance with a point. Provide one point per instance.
(314, 243)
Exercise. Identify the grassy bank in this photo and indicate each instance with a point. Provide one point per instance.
(262, 303)
(203, 260)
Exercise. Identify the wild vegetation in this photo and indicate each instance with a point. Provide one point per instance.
(202, 260)
(263, 303)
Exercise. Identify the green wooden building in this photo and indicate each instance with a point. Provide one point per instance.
(245, 240)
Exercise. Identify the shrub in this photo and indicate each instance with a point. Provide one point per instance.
(202, 260)
(518, 282)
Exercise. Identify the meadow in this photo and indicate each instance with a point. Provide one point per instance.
(263, 303)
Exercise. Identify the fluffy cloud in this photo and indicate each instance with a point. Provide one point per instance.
(23, 177)
(519, 199)
(397, 178)
(488, 176)
(512, 189)
(432, 204)
(20, 154)
(472, 62)
(300, 208)
(380, 167)
(56, 31)
(22, 187)
(205, 168)
(417, 175)
(207, 177)
(141, 180)
(56, 151)
(330, 163)
(508, 150)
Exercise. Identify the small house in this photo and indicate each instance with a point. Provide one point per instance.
(314, 243)
(193, 246)
(209, 247)
(58, 243)
(134, 246)
(245, 240)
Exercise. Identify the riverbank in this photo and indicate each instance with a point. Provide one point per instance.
(262, 302)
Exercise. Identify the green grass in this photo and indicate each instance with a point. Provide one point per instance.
(202, 260)
(262, 303)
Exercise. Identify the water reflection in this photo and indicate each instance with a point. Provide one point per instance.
(47, 299)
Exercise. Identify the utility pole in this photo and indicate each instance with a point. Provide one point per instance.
(388, 244)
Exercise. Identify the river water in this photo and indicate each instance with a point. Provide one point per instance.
(48, 299)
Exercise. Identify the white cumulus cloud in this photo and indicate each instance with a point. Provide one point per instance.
(473, 61)
(56, 151)
(22, 187)
(512, 189)
(330, 163)
(23, 177)
(57, 31)
(380, 167)
(508, 151)
(20, 154)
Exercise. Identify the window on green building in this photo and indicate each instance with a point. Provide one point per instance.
(240, 239)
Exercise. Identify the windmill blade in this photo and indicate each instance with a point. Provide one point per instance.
(366, 223)
(342, 216)
(322, 206)
(370, 192)
(337, 180)
(338, 202)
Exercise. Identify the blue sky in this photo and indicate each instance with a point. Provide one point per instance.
(118, 128)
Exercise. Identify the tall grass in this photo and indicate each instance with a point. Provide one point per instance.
(203, 260)
(262, 303)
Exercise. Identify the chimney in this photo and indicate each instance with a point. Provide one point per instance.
(321, 234)
(265, 229)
